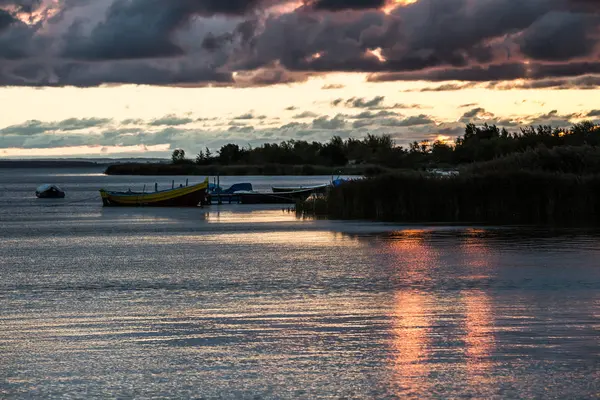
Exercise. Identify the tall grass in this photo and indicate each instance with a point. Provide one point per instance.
(518, 196)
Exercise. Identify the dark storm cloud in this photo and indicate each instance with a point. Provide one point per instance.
(560, 36)
(26, 6)
(16, 38)
(144, 28)
(431, 33)
(198, 42)
(431, 37)
(6, 19)
(494, 72)
(116, 72)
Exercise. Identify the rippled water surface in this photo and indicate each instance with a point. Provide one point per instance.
(252, 302)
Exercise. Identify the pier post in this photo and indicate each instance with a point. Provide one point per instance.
(220, 200)
(156, 186)
(173, 184)
(186, 182)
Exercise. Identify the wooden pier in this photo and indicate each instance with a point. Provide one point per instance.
(224, 198)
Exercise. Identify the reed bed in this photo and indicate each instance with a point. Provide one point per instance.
(500, 197)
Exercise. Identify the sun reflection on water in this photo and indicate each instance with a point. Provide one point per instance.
(411, 342)
(214, 215)
(428, 314)
(479, 338)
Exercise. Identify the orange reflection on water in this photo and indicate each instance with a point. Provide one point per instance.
(250, 216)
(415, 260)
(477, 255)
(479, 338)
(411, 326)
(422, 264)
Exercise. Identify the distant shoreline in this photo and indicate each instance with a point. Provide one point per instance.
(225, 170)
(47, 164)
(71, 163)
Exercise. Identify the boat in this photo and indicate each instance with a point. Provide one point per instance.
(49, 191)
(290, 197)
(183, 196)
(236, 187)
(229, 195)
(314, 188)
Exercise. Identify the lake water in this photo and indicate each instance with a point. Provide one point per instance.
(237, 302)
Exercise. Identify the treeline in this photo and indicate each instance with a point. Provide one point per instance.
(535, 176)
(479, 143)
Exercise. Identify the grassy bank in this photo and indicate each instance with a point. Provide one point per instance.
(223, 170)
(521, 197)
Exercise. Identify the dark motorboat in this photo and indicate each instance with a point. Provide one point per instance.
(49, 191)
(183, 196)
(315, 188)
(230, 195)
(236, 187)
(276, 197)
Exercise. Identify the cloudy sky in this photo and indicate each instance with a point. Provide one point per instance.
(141, 77)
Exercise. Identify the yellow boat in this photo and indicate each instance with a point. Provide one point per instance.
(185, 196)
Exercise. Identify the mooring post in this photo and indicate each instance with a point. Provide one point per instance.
(156, 186)
(186, 182)
(219, 188)
(173, 184)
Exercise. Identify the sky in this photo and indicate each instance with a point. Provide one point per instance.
(123, 78)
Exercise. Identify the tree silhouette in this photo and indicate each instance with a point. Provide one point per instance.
(178, 156)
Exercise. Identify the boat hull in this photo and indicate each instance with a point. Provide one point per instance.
(48, 191)
(50, 195)
(289, 189)
(275, 198)
(188, 196)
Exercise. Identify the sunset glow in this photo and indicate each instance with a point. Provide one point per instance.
(264, 71)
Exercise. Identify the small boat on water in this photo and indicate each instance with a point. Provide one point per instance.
(236, 187)
(314, 188)
(183, 196)
(49, 191)
(289, 197)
